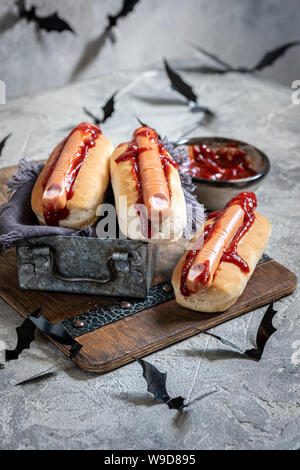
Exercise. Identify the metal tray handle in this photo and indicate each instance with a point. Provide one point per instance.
(117, 256)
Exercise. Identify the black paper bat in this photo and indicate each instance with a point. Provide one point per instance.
(271, 56)
(2, 143)
(108, 109)
(94, 46)
(179, 84)
(58, 333)
(127, 7)
(49, 23)
(185, 90)
(268, 59)
(156, 384)
(25, 334)
(265, 330)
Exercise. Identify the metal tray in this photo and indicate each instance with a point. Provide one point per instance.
(85, 265)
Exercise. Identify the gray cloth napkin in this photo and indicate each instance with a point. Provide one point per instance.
(196, 214)
(17, 221)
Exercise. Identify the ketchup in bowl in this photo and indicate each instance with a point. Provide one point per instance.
(227, 162)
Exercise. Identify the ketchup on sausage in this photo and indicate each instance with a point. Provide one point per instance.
(150, 168)
(198, 272)
(60, 179)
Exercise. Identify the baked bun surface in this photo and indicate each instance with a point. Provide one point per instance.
(90, 186)
(126, 196)
(229, 281)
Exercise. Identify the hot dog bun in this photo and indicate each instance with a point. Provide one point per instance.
(229, 281)
(89, 187)
(124, 183)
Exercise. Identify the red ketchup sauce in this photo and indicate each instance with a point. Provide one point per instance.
(132, 153)
(248, 202)
(90, 133)
(228, 162)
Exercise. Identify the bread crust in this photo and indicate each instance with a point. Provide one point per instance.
(230, 281)
(124, 185)
(90, 186)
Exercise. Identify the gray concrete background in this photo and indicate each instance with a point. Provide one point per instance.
(240, 31)
(254, 405)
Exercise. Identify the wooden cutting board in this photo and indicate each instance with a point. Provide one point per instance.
(119, 343)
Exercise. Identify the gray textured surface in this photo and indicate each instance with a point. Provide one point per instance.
(239, 31)
(255, 405)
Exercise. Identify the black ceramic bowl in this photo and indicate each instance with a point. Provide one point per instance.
(215, 194)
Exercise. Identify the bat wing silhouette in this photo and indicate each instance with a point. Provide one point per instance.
(49, 23)
(127, 7)
(265, 330)
(271, 56)
(25, 334)
(58, 333)
(3, 142)
(94, 47)
(156, 384)
(109, 107)
(268, 59)
(186, 90)
(179, 84)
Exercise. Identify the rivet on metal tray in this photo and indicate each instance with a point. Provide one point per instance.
(125, 304)
(136, 277)
(25, 252)
(27, 268)
(78, 323)
(167, 288)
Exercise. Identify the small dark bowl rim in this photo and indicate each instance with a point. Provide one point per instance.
(236, 182)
